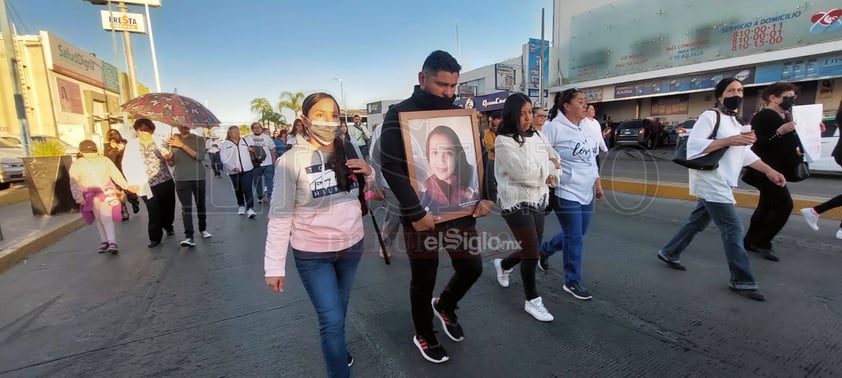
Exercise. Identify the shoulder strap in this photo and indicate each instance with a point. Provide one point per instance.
(716, 125)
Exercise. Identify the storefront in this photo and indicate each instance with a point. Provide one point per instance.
(68, 92)
(665, 64)
(485, 105)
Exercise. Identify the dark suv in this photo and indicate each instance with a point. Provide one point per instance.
(647, 132)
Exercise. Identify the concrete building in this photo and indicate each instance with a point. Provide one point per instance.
(67, 92)
(661, 58)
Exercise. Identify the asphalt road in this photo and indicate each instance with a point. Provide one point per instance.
(657, 166)
(205, 312)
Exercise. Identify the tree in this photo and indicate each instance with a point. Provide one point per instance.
(263, 107)
(291, 101)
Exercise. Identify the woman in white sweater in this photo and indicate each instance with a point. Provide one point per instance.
(526, 165)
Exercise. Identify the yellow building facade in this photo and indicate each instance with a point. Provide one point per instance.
(67, 92)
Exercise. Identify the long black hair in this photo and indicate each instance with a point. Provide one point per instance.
(511, 117)
(337, 159)
(464, 170)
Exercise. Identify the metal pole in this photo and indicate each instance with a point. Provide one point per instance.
(541, 65)
(12, 61)
(127, 45)
(344, 104)
(152, 47)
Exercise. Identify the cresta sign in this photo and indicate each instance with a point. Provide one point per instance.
(151, 3)
(119, 21)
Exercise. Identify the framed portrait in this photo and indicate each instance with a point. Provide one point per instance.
(444, 158)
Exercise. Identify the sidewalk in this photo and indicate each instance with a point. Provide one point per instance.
(25, 234)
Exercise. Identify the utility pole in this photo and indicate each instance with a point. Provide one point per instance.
(127, 45)
(541, 65)
(12, 61)
(344, 104)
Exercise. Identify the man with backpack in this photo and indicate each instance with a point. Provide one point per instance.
(263, 159)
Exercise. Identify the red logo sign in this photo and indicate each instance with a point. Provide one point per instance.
(826, 18)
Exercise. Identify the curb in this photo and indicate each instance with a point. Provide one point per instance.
(36, 242)
(672, 190)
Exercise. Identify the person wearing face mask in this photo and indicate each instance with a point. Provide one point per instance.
(316, 210)
(436, 91)
(714, 188)
(778, 146)
(113, 149)
(146, 167)
(92, 183)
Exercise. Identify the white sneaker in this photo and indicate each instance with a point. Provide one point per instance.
(502, 275)
(839, 234)
(241, 211)
(251, 214)
(811, 217)
(206, 234)
(536, 308)
(188, 243)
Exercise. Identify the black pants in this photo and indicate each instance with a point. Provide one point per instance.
(423, 251)
(216, 163)
(161, 209)
(830, 204)
(773, 209)
(187, 191)
(243, 188)
(527, 226)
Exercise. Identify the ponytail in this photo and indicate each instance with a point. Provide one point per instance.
(556, 106)
(337, 160)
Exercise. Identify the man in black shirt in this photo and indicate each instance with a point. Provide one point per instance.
(437, 85)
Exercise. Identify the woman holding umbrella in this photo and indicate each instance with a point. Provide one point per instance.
(146, 168)
(237, 162)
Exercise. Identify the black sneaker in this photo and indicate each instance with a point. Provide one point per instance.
(577, 291)
(350, 359)
(112, 248)
(188, 243)
(103, 247)
(449, 322)
(430, 349)
(544, 262)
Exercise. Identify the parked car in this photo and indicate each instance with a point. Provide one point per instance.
(829, 138)
(11, 164)
(648, 133)
(684, 128)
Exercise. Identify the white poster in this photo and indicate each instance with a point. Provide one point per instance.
(807, 119)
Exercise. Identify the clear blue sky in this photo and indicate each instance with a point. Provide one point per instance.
(228, 52)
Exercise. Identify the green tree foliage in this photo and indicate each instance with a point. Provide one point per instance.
(291, 101)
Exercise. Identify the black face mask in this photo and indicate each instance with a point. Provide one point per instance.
(733, 103)
(787, 103)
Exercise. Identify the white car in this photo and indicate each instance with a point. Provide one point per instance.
(829, 138)
(11, 165)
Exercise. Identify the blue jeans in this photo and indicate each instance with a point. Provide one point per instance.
(264, 176)
(327, 277)
(574, 219)
(724, 215)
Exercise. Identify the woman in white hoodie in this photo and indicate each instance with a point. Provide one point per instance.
(578, 186)
(525, 166)
(315, 208)
(237, 162)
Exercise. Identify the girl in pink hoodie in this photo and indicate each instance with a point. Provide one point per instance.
(316, 210)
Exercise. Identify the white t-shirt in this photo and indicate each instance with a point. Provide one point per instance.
(716, 185)
(266, 143)
(594, 125)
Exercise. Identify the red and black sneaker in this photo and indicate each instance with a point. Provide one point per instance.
(430, 349)
(448, 321)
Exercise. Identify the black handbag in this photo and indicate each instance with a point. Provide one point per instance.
(705, 163)
(800, 170)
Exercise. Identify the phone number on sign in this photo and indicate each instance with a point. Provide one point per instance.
(757, 37)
